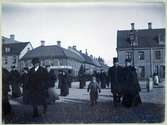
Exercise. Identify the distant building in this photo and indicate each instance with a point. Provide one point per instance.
(90, 63)
(57, 56)
(53, 55)
(13, 51)
(148, 47)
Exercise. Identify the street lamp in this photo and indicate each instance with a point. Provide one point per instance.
(132, 37)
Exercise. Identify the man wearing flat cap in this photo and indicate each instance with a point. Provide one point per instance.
(116, 80)
(131, 91)
(38, 87)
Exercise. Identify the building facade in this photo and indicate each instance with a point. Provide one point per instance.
(53, 55)
(57, 56)
(13, 51)
(146, 49)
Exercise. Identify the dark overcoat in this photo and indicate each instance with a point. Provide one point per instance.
(51, 79)
(103, 79)
(5, 84)
(115, 77)
(26, 87)
(6, 107)
(131, 91)
(64, 86)
(15, 83)
(131, 80)
(38, 86)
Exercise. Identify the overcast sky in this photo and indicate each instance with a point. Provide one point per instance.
(88, 26)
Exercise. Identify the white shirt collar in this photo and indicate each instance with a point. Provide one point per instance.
(36, 68)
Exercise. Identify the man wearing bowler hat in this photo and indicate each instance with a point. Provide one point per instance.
(38, 87)
(116, 80)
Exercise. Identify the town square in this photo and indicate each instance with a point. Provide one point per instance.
(83, 62)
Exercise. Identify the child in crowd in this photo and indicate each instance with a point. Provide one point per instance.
(94, 89)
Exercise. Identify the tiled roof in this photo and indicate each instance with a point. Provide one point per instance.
(88, 59)
(14, 48)
(145, 38)
(6, 40)
(52, 51)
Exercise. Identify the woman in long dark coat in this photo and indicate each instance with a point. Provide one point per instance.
(64, 85)
(38, 87)
(132, 88)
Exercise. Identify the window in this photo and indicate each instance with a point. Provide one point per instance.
(5, 60)
(128, 55)
(157, 55)
(14, 59)
(7, 50)
(141, 55)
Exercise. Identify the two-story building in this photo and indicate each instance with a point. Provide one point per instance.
(145, 47)
(13, 51)
(53, 55)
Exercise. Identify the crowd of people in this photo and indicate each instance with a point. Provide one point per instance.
(38, 85)
(123, 82)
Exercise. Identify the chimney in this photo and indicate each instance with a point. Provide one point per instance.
(69, 47)
(42, 43)
(86, 51)
(12, 37)
(91, 56)
(149, 25)
(132, 26)
(59, 43)
(74, 47)
(80, 51)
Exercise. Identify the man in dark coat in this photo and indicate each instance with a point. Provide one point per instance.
(25, 83)
(132, 88)
(63, 81)
(81, 76)
(38, 87)
(70, 78)
(6, 107)
(14, 81)
(116, 81)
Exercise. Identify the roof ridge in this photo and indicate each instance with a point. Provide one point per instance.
(143, 29)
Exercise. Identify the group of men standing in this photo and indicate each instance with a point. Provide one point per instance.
(124, 83)
(38, 80)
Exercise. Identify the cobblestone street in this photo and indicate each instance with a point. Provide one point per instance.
(75, 108)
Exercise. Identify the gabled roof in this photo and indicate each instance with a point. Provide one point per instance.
(14, 48)
(52, 51)
(144, 37)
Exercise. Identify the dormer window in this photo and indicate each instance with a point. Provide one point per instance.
(7, 49)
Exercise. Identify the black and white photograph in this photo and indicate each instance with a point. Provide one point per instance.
(83, 62)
